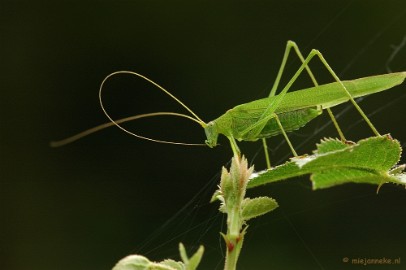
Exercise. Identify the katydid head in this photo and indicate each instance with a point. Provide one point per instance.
(211, 134)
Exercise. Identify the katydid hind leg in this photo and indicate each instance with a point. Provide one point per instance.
(289, 45)
(278, 99)
(313, 78)
(331, 71)
(361, 112)
(272, 107)
(268, 113)
(273, 91)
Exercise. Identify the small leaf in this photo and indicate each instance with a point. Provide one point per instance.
(183, 254)
(216, 196)
(195, 259)
(192, 262)
(252, 208)
(133, 262)
(226, 183)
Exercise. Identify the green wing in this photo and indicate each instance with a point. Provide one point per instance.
(241, 119)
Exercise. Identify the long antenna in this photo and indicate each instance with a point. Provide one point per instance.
(127, 119)
(200, 121)
(196, 119)
(117, 123)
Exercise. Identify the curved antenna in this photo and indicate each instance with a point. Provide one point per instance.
(127, 119)
(200, 121)
(196, 119)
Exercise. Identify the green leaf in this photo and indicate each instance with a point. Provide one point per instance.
(192, 262)
(195, 259)
(252, 208)
(183, 254)
(368, 161)
(375, 153)
(133, 262)
(216, 196)
(138, 262)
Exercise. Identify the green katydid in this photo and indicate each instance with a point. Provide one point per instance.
(246, 122)
(276, 114)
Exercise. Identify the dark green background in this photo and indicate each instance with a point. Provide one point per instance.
(86, 205)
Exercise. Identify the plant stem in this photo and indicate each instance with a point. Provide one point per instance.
(232, 239)
(233, 186)
(231, 260)
(234, 246)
